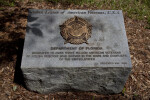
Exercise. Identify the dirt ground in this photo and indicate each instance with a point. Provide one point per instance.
(13, 22)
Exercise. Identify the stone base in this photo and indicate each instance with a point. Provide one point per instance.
(102, 80)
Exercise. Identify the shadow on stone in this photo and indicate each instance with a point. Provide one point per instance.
(18, 77)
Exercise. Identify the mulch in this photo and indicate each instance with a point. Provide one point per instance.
(13, 22)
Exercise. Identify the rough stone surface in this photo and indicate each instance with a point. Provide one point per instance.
(47, 70)
(100, 80)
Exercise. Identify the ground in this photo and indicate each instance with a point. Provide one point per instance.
(13, 22)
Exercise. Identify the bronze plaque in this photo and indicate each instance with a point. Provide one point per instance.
(76, 30)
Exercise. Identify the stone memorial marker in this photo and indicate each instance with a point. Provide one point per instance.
(75, 50)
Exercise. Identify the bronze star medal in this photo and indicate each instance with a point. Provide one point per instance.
(76, 30)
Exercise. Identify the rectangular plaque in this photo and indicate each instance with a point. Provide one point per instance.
(46, 47)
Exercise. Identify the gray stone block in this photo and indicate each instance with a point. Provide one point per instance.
(57, 57)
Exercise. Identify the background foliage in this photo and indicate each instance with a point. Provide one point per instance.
(139, 9)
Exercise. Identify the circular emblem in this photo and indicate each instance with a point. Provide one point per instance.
(76, 30)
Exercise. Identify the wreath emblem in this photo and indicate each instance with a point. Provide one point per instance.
(76, 30)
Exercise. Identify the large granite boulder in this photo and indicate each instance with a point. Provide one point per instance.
(75, 50)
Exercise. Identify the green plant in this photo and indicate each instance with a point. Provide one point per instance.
(35, 0)
(148, 23)
(93, 98)
(1, 8)
(7, 3)
(11, 4)
(124, 90)
(77, 2)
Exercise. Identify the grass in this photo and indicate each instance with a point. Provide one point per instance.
(93, 98)
(137, 9)
(77, 2)
(124, 90)
(9, 3)
(1, 8)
